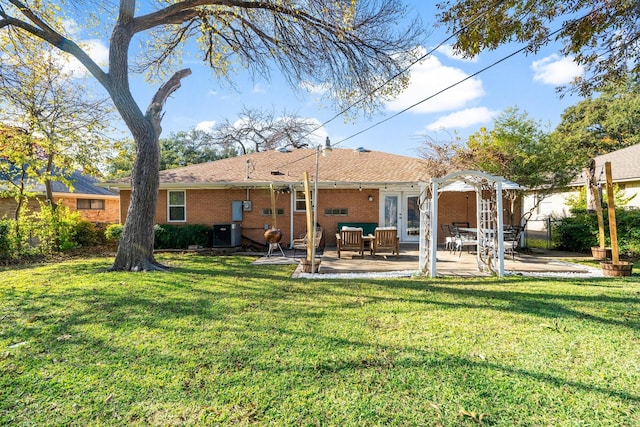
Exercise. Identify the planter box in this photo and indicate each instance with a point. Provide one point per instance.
(621, 269)
(306, 265)
(600, 253)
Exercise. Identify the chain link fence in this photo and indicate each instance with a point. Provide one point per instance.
(539, 233)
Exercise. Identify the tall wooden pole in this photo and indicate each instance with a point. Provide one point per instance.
(592, 185)
(307, 201)
(613, 229)
(273, 207)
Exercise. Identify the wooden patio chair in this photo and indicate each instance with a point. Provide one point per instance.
(300, 244)
(386, 239)
(350, 239)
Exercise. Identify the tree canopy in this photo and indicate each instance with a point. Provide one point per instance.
(602, 35)
(517, 148)
(599, 125)
(350, 48)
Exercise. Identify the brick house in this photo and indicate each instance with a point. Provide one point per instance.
(354, 186)
(95, 204)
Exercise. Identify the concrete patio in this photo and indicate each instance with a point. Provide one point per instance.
(448, 264)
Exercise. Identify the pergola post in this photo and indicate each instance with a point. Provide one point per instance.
(433, 238)
(474, 179)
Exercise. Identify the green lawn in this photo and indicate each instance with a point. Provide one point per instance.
(217, 341)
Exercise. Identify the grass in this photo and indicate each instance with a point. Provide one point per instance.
(217, 341)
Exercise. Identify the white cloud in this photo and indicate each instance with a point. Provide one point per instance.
(463, 119)
(259, 88)
(71, 27)
(430, 77)
(206, 126)
(212, 93)
(556, 71)
(97, 50)
(314, 89)
(447, 50)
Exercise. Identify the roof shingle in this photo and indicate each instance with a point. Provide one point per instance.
(339, 166)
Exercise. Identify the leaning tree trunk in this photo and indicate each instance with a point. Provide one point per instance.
(135, 251)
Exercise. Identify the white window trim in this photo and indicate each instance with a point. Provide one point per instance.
(169, 206)
(296, 199)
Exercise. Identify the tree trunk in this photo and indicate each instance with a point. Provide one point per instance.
(135, 252)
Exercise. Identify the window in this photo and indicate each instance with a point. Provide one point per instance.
(300, 201)
(177, 206)
(96, 204)
(267, 212)
(336, 211)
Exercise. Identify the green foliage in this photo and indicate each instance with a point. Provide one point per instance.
(601, 124)
(6, 227)
(577, 203)
(518, 149)
(577, 233)
(177, 150)
(600, 35)
(87, 234)
(113, 232)
(580, 232)
(168, 236)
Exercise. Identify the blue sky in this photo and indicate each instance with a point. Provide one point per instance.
(526, 82)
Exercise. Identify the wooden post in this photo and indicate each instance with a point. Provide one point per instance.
(613, 230)
(310, 225)
(273, 207)
(592, 186)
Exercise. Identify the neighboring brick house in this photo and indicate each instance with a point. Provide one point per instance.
(625, 170)
(94, 203)
(354, 186)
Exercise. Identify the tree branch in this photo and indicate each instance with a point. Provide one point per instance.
(154, 111)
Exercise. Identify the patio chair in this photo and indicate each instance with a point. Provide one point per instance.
(511, 240)
(385, 238)
(462, 240)
(301, 243)
(350, 239)
(449, 238)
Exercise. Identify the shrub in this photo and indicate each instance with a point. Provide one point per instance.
(169, 236)
(87, 234)
(6, 243)
(580, 232)
(113, 232)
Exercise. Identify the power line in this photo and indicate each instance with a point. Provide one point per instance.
(528, 46)
(404, 70)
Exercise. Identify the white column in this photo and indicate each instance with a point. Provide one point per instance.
(433, 243)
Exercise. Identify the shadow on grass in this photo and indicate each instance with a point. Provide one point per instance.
(199, 300)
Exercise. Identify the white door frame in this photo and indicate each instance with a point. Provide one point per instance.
(400, 215)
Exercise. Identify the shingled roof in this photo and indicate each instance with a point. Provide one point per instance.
(625, 165)
(340, 166)
(82, 185)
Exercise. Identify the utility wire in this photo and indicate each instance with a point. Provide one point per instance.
(404, 70)
(528, 46)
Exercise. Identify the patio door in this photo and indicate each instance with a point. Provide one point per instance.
(401, 210)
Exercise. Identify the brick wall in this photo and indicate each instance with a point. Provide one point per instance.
(214, 207)
(110, 214)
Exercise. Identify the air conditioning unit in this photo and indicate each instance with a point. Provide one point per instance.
(227, 235)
